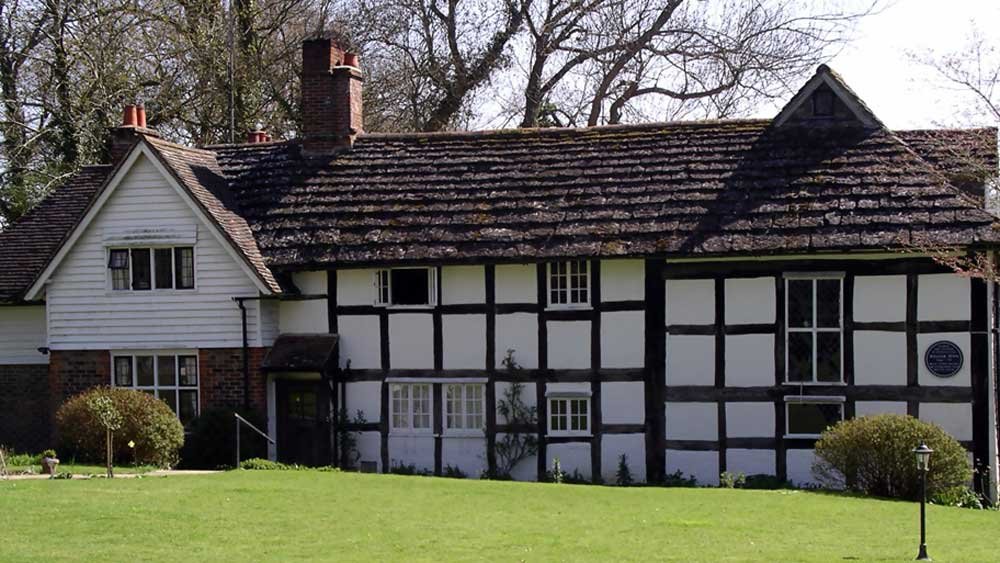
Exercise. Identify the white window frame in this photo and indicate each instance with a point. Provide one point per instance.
(409, 412)
(468, 426)
(810, 400)
(110, 286)
(568, 398)
(549, 275)
(155, 387)
(379, 288)
(814, 277)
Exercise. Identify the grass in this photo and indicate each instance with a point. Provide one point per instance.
(81, 469)
(311, 515)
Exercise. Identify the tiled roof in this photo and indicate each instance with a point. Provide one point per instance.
(967, 157)
(704, 188)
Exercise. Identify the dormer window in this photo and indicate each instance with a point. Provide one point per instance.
(406, 287)
(143, 269)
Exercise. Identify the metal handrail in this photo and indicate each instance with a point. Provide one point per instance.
(240, 419)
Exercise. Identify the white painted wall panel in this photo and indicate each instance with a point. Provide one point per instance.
(690, 360)
(466, 453)
(751, 462)
(570, 387)
(634, 448)
(879, 358)
(690, 302)
(868, 408)
(518, 332)
(311, 283)
(573, 456)
(749, 360)
(529, 395)
(356, 287)
(750, 300)
(704, 466)
(85, 314)
(569, 344)
(463, 341)
(516, 283)
(527, 469)
(799, 466)
(310, 316)
(962, 340)
(412, 450)
(360, 339)
(463, 284)
(954, 418)
(623, 339)
(880, 298)
(750, 420)
(22, 333)
(623, 280)
(692, 421)
(943, 297)
(623, 402)
(370, 448)
(364, 396)
(411, 341)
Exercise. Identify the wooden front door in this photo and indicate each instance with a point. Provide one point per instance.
(303, 422)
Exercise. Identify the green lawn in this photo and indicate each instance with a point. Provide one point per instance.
(310, 515)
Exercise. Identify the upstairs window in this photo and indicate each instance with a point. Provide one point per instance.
(406, 287)
(569, 284)
(814, 340)
(142, 269)
(569, 416)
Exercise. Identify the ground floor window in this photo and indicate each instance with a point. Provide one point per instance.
(173, 378)
(410, 406)
(464, 406)
(808, 417)
(569, 416)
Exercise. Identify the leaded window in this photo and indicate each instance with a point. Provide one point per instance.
(173, 378)
(464, 406)
(410, 405)
(569, 283)
(814, 330)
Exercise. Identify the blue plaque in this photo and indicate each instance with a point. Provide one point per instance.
(943, 358)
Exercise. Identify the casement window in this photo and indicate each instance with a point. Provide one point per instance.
(406, 287)
(813, 335)
(173, 378)
(569, 284)
(142, 269)
(464, 407)
(808, 417)
(410, 407)
(569, 416)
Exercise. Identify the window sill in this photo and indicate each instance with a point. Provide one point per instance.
(801, 436)
(411, 434)
(569, 435)
(463, 434)
(586, 307)
(815, 383)
(134, 292)
(407, 307)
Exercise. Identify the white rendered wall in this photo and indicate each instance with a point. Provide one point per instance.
(526, 469)
(690, 302)
(749, 420)
(573, 456)
(411, 341)
(623, 339)
(751, 462)
(270, 321)
(692, 421)
(360, 339)
(634, 448)
(879, 358)
(962, 340)
(516, 283)
(569, 344)
(880, 298)
(943, 297)
(690, 360)
(953, 418)
(463, 285)
(463, 341)
(749, 360)
(623, 402)
(623, 280)
(704, 466)
(356, 287)
(528, 394)
(364, 396)
(22, 333)
(518, 332)
(799, 466)
(750, 300)
(467, 453)
(409, 449)
(303, 317)
(310, 283)
(370, 448)
(868, 408)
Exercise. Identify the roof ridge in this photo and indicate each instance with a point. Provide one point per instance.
(173, 145)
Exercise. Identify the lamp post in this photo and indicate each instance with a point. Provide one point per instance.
(923, 464)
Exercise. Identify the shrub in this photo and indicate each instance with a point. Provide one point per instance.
(146, 421)
(401, 468)
(623, 477)
(677, 479)
(765, 482)
(211, 440)
(874, 455)
(730, 480)
(453, 472)
(960, 497)
(261, 464)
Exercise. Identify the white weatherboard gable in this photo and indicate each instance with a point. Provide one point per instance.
(463, 341)
(963, 378)
(463, 285)
(623, 402)
(569, 344)
(623, 280)
(869, 408)
(751, 462)
(877, 358)
(690, 360)
(692, 421)
(880, 298)
(411, 341)
(356, 287)
(750, 300)
(749, 420)
(517, 332)
(303, 317)
(634, 448)
(690, 302)
(943, 297)
(749, 360)
(702, 465)
(953, 418)
(623, 339)
(516, 283)
(360, 336)
(22, 333)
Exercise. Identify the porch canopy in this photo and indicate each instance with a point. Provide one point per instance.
(302, 352)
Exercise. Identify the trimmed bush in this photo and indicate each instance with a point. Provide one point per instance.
(211, 440)
(147, 421)
(874, 455)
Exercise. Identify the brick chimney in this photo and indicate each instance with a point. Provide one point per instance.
(124, 136)
(331, 96)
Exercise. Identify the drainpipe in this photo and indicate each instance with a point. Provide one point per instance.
(992, 393)
(246, 353)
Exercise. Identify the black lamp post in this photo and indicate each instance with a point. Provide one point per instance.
(923, 464)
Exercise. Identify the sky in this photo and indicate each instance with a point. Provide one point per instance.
(903, 94)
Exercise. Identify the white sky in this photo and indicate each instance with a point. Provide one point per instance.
(905, 95)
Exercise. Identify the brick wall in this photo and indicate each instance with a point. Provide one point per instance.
(331, 97)
(24, 407)
(72, 372)
(221, 373)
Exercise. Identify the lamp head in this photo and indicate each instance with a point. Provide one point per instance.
(923, 456)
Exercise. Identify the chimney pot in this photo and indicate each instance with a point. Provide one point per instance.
(351, 59)
(140, 116)
(130, 116)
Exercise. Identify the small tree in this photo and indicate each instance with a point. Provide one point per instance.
(516, 444)
(105, 412)
(623, 478)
